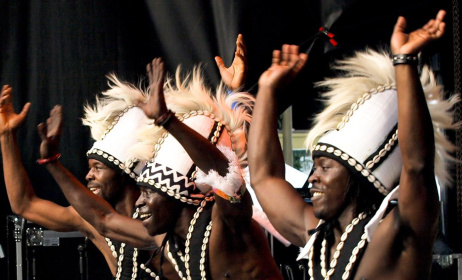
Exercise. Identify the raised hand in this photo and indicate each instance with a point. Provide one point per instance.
(234, 76)
(9, 120)
(412, 43)
(285, 66)
(50, 133)
(155, 107)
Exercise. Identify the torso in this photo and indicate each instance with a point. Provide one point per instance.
(391, 254)
(238, 253)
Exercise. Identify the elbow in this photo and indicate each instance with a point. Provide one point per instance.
(19, 209)
(417, 166)
(101, 225)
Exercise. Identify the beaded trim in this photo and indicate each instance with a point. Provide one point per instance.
(355, 164)
(161, 140)
(121, 254)
(383, 152)
(125, 167)
(187, 248)
(327, 274)
(360, 101)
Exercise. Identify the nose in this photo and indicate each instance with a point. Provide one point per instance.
(313, 177)
(139, 202)
(89, 175)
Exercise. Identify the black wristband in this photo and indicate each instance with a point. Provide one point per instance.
(404, 59)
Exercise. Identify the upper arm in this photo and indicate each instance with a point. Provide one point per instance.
(418, 203)
(287, 211)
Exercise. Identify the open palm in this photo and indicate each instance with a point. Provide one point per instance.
(9, 119)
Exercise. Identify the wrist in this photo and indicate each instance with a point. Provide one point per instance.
(53, 158)
(410, 59)
(164, 118)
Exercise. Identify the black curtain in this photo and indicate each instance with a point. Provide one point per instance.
(58, 52)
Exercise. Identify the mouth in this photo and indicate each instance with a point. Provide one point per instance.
(144, 217)
(316, 194)
(95, 190)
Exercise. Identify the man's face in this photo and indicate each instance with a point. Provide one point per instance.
(158, 212)
(104, 181)
(330, 186)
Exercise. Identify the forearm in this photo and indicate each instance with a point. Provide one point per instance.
(264, 149)
(89, 206)
(18, 185)
(416, 140)
(415, 135)
(203, 153)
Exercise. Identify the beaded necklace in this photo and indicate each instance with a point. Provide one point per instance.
(121, 254)
(149, 271)
(327, 274)
(186, 258)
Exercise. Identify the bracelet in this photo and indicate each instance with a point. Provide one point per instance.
(163, 120)
(233, 199)
(48, 160)
(404, 59)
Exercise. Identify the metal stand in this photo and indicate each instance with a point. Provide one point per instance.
(445, 261)
(18, 234)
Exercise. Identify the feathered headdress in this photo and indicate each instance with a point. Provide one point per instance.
(114, 124)
(358, 127)
(221, 117)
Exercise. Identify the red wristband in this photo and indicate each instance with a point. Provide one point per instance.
(50, 159)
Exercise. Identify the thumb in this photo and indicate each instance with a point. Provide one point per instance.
(42, 131)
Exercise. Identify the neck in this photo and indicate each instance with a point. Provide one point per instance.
(126, 204)
(344, 219)
(183, 222)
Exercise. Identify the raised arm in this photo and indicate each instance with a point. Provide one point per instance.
(234, 76)
(282, 204)
(203, 153)
(418, 198)
(23, 200)
(95, 210)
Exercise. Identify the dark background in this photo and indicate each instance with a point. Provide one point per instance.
(58, 52)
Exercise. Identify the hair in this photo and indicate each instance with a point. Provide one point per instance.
(367, 198)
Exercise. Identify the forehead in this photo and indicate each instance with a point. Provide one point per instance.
(94, 162)
(325, 160)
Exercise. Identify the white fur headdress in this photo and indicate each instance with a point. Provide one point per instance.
(221, 117)
(114, 123)
(358, 127)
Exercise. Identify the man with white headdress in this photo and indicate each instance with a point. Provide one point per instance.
(191, 190)
(359, 159)
(108, 177)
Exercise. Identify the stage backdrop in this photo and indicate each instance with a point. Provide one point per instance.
(58, 52)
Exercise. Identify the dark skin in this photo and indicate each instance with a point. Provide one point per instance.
(401, 247)
(92, 207)
(238, 246)
(26, 203)
(250, 240)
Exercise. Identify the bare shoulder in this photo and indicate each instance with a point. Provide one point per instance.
(394, 252)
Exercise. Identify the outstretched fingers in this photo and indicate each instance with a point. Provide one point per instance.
(435, 27)
(54, 122)
(155, 105)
